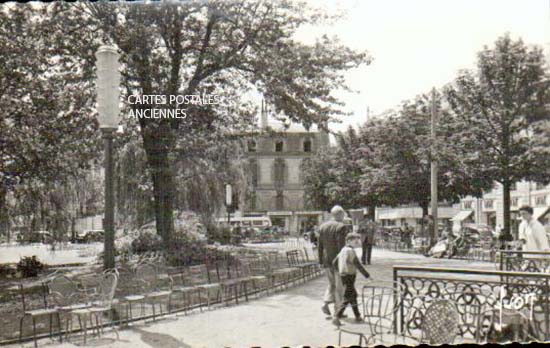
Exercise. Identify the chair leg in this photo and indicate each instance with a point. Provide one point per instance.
(245, 291)
(34, 331)
(110, 314)
(59, 327)
(169, 303)
(83, 326)
(50, 318)
(21, 328)
(200, 299)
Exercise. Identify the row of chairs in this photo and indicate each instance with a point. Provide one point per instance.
(64, 299)
(149, 286)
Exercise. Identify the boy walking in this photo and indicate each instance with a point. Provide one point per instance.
(348, 264)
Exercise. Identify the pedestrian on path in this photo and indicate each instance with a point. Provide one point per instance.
(531, 232)
(347, 265)
(367, 229)
(332, 238)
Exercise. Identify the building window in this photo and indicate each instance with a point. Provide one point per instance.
(468, 205)
(540, 200)
(252, 201)
(254, 172)
(307, 145)
(279, 201)
(488, 203)
(515, 201)
(279, 168)
(539, 186)
(279, 146)
(251, 146)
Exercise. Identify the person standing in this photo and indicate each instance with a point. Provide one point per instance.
(367, 231)
(332, 238)
(348, 264)
(531, 232)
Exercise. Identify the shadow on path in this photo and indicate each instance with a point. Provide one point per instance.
(155, 339)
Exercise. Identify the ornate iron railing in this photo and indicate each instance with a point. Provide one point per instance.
(524, 261)
(474, 291)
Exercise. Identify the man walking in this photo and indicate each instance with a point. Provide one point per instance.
(531, 232)
(332, 238)
(367, 230)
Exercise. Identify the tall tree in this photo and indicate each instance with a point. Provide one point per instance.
(501, 107)
(208, 47)
(401, 152)
(47, 129)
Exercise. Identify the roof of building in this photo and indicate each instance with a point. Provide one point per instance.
(279, 126)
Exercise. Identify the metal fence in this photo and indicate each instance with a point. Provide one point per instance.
(462, 285)
(524, 261)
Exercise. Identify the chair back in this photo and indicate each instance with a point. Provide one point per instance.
(295, 257)
(106, 289)
(62, 290)
(440, 324)
(379, 311)
(148, 276)
(198, 275)
(244, 268)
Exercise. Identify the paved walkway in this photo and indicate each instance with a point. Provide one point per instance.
(291, 318)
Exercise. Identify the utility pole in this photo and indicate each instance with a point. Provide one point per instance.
(433, 232)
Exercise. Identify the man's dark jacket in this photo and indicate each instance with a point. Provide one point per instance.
(332, 238)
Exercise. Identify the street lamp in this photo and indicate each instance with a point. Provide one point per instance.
(108, 98)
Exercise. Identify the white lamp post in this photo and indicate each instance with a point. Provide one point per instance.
(108, 98)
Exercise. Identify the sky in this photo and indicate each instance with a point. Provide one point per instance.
(421, 44)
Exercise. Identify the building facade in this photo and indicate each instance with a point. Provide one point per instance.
(489, 209)
(412, 215)
(275, 159)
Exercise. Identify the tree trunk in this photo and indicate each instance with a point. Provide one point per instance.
(156, 148)
(425, 212)
(371, 211)
(4, 218)
(424, 206)
(506, 208)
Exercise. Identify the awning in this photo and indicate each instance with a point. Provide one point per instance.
(462, 215)
(539, 212)
(279, 213)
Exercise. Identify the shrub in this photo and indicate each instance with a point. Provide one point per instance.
(220, 234)
(7, 271)
(146, 241)
(185, 251)
(29, 266)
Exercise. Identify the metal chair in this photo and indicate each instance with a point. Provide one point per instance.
(199, 277)
(67, 296)
(380, 305)
(101, 303)
(252, 271)
(152, 288)
(35, 313)
(440, 324)
(181, 285)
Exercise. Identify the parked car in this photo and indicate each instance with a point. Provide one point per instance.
(478, 233)
(94, 236)
(35, 237)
